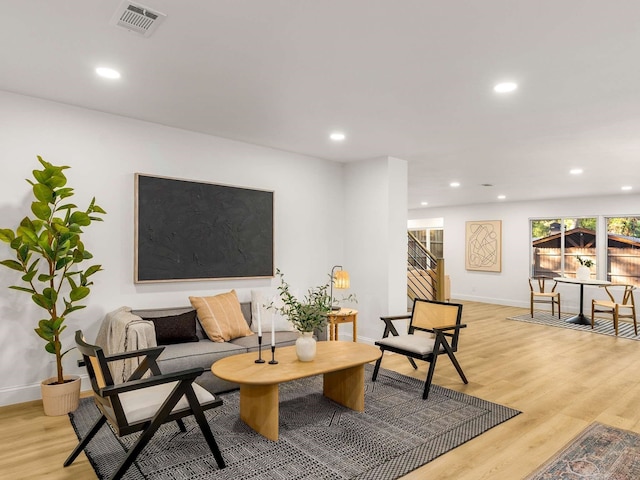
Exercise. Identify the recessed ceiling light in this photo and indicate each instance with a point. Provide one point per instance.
(501, 197)
(454, 184)
(505, 87)
(106, 72)
(424, 204)
(337, 136)
(627, 187)
(576, 171)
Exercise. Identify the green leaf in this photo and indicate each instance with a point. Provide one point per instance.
(42, 301)
(50, 294)
(13, 265)
(61, 229)
(41, 210)
(92, 269)
(79, 293)
(98, 209)
(80, 218)
(57, 180)
(50, 347)
(15, 243)
(43, 193)
(67, 206)
(57, 323)
(23, 253)
(28, 277)
(7, 235)
(43, 277)
(63, 262)
(69, 278)
(70, 308)
(42, 334)
(22, 289)
(46, 325)
(64, 192)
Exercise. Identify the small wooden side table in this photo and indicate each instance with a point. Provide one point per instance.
(344, 315)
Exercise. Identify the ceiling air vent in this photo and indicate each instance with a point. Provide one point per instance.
(137, 18)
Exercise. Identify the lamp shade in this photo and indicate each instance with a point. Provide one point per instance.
(341, 279)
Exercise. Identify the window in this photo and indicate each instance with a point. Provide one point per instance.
(623, 250)
(557, 243)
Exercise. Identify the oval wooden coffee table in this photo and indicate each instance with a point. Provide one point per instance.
(341, 363)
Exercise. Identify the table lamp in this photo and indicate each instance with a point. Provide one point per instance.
(339, 278)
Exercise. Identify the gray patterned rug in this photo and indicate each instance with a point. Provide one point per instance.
(599, 452)
(319, 439)
(603, 327)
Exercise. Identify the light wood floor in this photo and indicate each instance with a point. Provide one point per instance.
(562, 381)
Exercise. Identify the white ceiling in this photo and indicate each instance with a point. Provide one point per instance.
(405, 78)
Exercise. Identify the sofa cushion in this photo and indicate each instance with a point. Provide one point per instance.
(221, 316)
(172, 329)
(204, 353)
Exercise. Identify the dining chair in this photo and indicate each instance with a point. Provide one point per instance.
(439, 319)
(540, 294)
(619, 305)
(143, 404)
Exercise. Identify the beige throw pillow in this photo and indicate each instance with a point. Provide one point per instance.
(221, 316)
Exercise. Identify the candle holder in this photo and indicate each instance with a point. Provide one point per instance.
(273, 360)
(259, 360)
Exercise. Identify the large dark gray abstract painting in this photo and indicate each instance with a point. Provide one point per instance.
(188, 230)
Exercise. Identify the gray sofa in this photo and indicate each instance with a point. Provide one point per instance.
(204, 353)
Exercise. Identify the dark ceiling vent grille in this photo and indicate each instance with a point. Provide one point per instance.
(137, 18)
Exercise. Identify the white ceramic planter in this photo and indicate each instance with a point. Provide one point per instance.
(306, 347)
(60, 399)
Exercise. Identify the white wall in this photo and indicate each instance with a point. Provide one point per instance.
(104, 151)
(375, 229)
(510, 286)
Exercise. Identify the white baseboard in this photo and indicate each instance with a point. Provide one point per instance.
(28, 393)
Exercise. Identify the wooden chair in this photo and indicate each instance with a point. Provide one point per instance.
(143, 404)
(440, 319)
(625, 308)
(539, 295)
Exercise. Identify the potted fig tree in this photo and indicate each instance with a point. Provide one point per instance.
(49, 253)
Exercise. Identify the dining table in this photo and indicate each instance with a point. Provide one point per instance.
(580, 319)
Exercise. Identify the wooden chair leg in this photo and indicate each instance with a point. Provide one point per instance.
(151, 429)
(531, 304)
(429, 379)
(204, 427)
(593, 314)
(85, 441)
(181, 426)
(376, 368)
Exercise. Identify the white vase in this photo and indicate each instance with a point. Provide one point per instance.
(306, 347)
(583, 273)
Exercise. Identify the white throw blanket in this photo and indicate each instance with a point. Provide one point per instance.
(117, 336)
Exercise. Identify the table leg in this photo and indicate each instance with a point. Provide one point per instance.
(579, 319)
(355, 329)
(346, 387)
(259, 408)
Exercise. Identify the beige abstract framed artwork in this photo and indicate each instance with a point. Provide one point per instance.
(483, 246)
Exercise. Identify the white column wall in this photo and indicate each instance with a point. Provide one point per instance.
(510, 286)
(104, 151)
(375, 229)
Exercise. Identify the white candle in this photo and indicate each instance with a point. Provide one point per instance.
(273, 331)
(258, 318)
